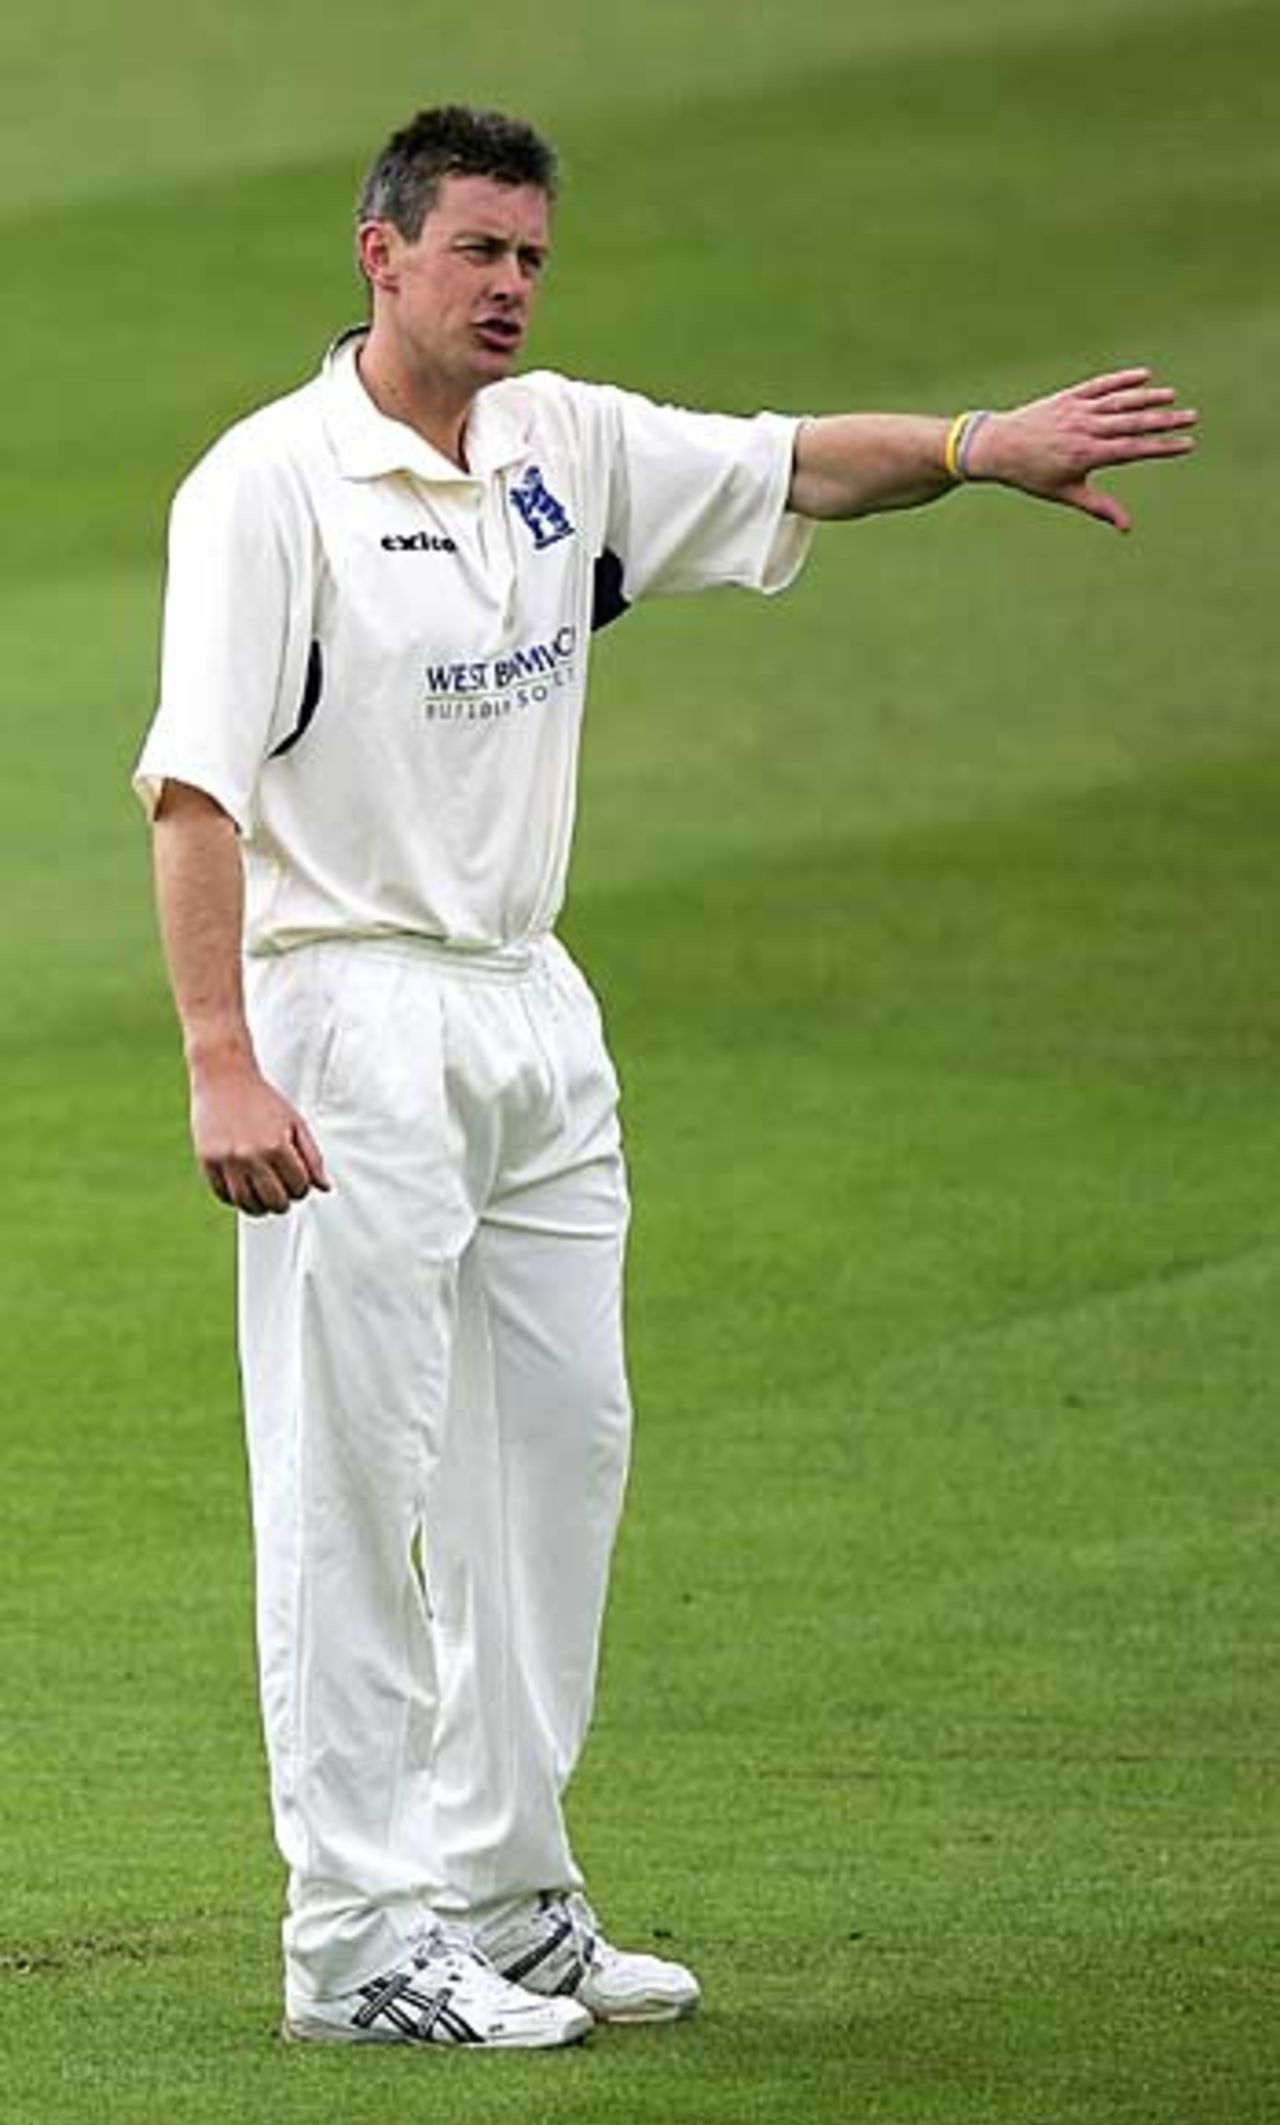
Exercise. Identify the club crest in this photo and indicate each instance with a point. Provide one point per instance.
(537, 507)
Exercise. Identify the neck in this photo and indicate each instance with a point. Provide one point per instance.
(432, 405)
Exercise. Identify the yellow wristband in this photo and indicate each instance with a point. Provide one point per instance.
(960, 435)
(951, 449)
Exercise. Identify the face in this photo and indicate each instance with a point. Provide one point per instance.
(458, 296)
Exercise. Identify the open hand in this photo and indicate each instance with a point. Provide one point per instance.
(1052, 446)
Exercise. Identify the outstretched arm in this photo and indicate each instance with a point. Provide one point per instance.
(855, 464)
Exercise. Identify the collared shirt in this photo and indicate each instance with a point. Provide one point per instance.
(376, 660)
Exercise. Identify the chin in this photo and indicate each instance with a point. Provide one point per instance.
(497, 360)
(493, 370)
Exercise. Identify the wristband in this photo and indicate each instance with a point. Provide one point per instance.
(959, 443)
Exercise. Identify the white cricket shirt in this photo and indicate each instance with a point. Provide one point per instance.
(376, 662)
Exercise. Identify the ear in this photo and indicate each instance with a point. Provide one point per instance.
(378, 245)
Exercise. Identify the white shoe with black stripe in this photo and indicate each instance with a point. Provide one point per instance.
(554, 1946)
(443, 1992)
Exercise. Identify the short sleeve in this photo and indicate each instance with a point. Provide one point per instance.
(700, 499)
(236, 631)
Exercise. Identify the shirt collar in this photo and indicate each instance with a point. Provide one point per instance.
(368, 443)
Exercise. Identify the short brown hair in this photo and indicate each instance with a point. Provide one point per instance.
(451, 140)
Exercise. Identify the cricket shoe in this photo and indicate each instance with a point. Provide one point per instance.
(554, 1946)
(443, 1992)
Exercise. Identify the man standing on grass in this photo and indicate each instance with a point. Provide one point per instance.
(362, 773)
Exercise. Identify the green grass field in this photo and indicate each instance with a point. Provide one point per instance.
(934, 907)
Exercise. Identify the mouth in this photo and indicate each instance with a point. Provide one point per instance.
(501, 335)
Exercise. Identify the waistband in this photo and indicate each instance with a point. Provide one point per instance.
(502, 962)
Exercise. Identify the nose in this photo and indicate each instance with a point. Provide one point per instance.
(512, 277)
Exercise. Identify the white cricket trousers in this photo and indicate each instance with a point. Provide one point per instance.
(438, 1427)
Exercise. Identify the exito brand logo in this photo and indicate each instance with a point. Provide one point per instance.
(417, 542)
(487, 689)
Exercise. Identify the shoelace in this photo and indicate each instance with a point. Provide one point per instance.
(435, 1936)
(584, 1929)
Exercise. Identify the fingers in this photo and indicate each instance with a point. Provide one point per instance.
(1053, 446)
(1142, 413)
(1122, 418)
(1095, 502)
(1115, 380)
(311, 1156)
(1128, 417)
(254, 1148)
(1128, 407)
(1151, 417)
(1128, 449)
(266, 1183)
(262, 1187)
(1134, 438)
(1148, 428)
(1132, 399)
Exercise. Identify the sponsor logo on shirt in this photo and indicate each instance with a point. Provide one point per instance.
(538, 509)
(486, 689)
(417, 542)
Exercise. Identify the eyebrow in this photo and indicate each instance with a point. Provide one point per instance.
(502, 243)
